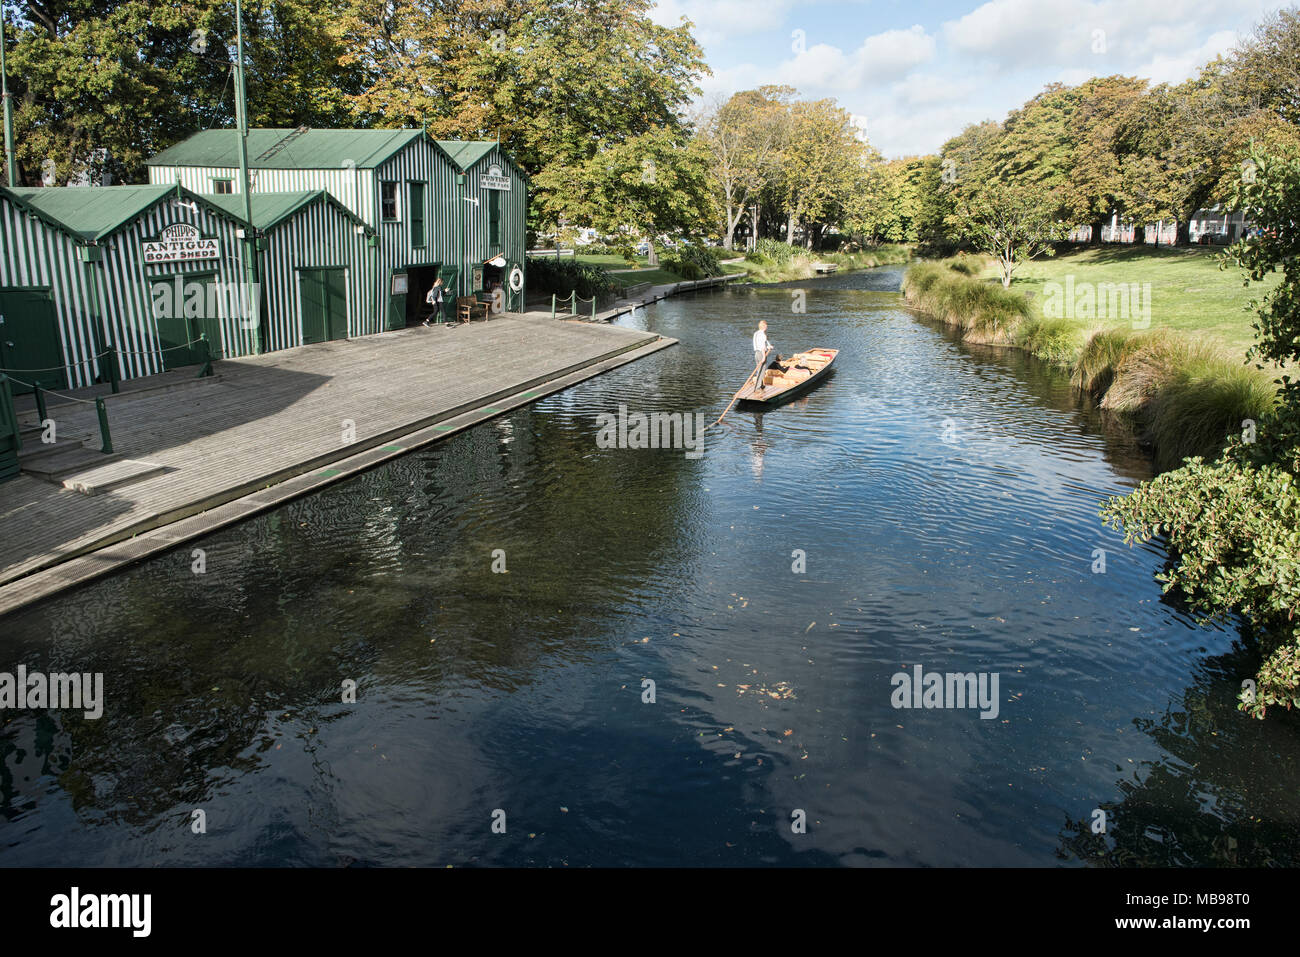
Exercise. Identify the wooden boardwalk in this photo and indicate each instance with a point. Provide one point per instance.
(266, 429)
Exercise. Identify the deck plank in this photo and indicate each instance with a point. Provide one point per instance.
(269, 418)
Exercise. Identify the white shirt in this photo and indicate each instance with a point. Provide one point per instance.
(760, 341)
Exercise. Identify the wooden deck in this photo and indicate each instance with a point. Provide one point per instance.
(267, 427)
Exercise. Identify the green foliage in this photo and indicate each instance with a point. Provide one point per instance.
(984, 312)
(1012, 224)
(1233, 524)
(656, 182)
(771, 252)
(682, 267)
(563, 276)
(702, 258)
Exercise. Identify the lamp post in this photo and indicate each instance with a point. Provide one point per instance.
(8, 106)
(250, 241)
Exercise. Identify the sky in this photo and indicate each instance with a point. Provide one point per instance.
(915, 72)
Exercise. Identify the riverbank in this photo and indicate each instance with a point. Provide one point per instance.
(774, 262)
(1181, 391)
(274, 427)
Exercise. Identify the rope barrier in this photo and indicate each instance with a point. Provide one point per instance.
(72, 398)
(123, 352)
(61, 368)
(106, 352)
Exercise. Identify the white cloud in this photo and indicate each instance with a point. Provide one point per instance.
(717, 21)
(882, 58)
(1167, 68)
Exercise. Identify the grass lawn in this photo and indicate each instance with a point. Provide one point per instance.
(630, 277)
(608, 260)
(1189, 292)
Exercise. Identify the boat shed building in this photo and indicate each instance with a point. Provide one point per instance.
(83, 269)
(317, 264)
(438, 208)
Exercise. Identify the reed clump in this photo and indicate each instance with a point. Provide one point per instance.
(1183, 395)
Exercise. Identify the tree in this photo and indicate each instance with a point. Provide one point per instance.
(653, 182)
(132, 77)
(1266, 66)
(1233, 525)
(1105, 106)
(1013, 224)
(554, 80)
(821, 161)
(1177, 147)
(889, 204)
(744, 138)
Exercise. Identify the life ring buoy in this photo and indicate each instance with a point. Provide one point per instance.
(516, 279)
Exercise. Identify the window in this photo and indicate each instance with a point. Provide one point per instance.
(417, 215)
(494, 217)
(388, 201)
(223, 186)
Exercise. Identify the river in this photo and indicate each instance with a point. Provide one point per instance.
(930, 504)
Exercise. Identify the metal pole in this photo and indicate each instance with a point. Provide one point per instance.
(250, 241)
(5, 95)
(103, 426)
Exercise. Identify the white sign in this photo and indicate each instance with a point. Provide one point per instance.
(494, 178)
(180, 243)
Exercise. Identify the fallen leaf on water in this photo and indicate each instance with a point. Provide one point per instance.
(809, 628)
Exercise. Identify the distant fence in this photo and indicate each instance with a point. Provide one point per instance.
(552, 253)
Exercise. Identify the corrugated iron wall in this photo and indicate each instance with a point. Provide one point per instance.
(317, 236)
(36, 255)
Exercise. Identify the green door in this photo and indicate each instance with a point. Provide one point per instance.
(182, 314)
(324, 304)
(29, 339)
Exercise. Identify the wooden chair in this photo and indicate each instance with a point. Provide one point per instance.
(466, 305)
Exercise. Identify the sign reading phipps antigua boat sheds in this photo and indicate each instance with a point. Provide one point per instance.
(494, 178)
(180, 243)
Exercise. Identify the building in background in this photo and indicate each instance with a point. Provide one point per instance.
(438, 208)
(87, 269)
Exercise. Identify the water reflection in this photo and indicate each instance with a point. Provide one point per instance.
(501, 600)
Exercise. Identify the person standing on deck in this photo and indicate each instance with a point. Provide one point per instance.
(435, 299)
(762, 353)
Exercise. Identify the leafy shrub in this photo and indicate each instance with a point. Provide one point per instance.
(1233, 525)
(563, 276)
(775, 251)
(702, 257)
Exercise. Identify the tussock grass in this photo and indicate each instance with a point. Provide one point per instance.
(1058, 341)
(985, 313)
(1182, 394)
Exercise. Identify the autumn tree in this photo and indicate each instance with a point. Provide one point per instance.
(821, 160)
(554, 80)
(744, 137)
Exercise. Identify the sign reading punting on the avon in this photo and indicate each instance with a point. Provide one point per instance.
(494, 178)
(180, 243)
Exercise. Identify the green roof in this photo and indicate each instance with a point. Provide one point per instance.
(89, 212)
(271, 209)
(310, 149)
(465, 153)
